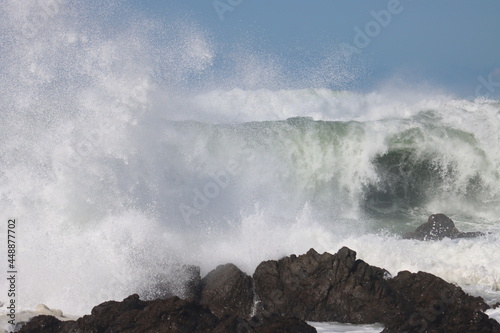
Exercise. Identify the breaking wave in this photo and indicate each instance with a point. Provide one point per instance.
(125, 153)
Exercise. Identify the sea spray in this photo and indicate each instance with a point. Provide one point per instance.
(110, 136)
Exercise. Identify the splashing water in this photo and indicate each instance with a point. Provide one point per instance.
(125, 153)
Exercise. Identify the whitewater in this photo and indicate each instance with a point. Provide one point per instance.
(122, 160)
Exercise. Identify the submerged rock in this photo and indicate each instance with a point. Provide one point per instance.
(439, 226)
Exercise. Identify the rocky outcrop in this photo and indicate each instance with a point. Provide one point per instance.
(44, 324)
(285, 293)
(340, 288)
(169, 315)
(325, 288)
(439, 226)
(134, 315)
(227, 290)
(434, 305)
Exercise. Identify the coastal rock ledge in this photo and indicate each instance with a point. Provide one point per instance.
(283, 294)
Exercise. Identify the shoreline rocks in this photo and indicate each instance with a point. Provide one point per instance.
(435, 305)
(227, 290)
(437, 227)
(283, 294)
(173, 314)
(325, 287)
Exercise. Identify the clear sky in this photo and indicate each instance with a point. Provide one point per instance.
(447, 43)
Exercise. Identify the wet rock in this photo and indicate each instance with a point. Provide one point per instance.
(133, 315)
(325, 287)
(227, 290)
(284, 324)
(43, 324)
(434, 305)
(439, 226)
(272, 324)
(340, 288)
(313, 286)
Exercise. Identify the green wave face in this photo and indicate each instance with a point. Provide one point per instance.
(419, 167)
(380, 167)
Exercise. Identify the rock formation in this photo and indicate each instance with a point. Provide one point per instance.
(172, 315)
(439, 226)
(325, 288)
(434, 305)
(284, 293)
(227, 290)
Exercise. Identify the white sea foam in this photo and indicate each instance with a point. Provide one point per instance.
(121, 160)
(345, 328)
(494, 313)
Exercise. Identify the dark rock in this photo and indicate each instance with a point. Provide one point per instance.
(165, 315)
(312, 287)
(284, 325)
(227, 290)
(170, 315)
(272, 324)
(438, 227)
(340, 288)
(434, 305)
(134, 316)
(42, 324)
(325, 288)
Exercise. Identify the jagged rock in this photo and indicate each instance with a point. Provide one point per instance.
(312, 287)
(340, 288)
(43, 324)
(325, 288)
(438, 227)
(434, 305)
(135, 316)
(227, 290)
(172, 315)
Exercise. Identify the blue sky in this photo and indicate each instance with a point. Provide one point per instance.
(447, 43)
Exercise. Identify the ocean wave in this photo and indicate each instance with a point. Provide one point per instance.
(124, 153)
